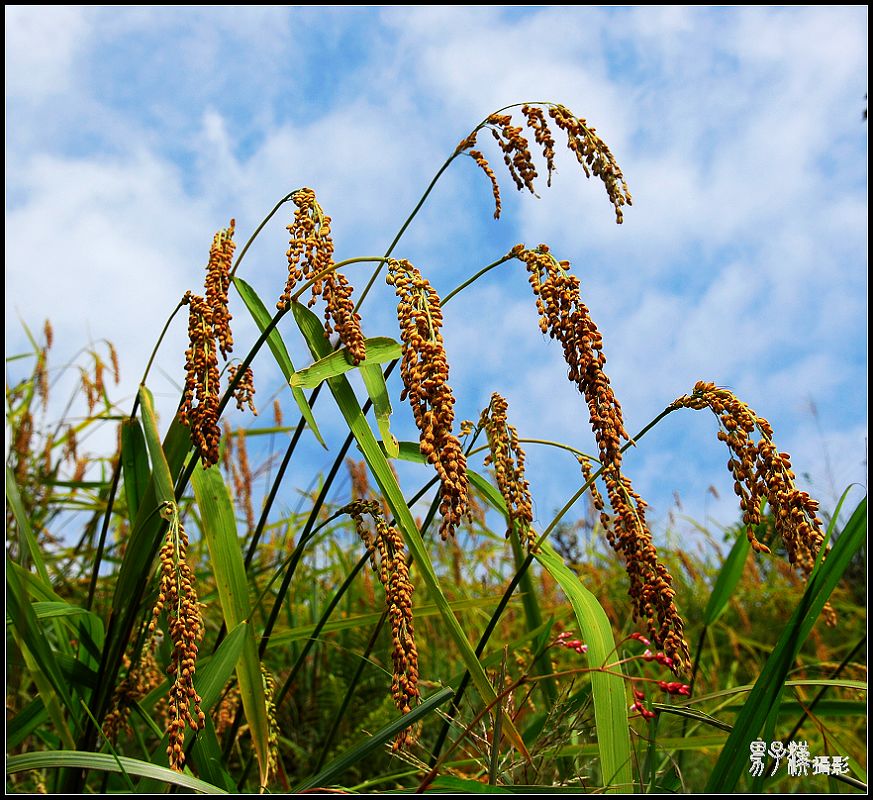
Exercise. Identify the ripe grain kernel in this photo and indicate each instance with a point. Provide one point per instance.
(244, 393)
(310, 258)
(217, 285)
(566, 318)
(178, 597)
(590, 150)
(761, 473)
(393, 571)
(507, 458)
(199, 409)
(425, 371)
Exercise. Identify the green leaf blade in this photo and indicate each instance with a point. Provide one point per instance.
(262, 319)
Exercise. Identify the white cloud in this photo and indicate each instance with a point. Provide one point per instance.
(41, 49)
(742, 260)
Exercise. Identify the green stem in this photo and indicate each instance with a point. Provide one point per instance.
(476, 277)
(260, 227)
(116, 472)
(403, 228)
(333, 268)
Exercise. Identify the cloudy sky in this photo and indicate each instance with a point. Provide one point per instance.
(134, 133)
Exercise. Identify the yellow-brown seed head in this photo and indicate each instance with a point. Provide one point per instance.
(217, 285)
(507, 458)
(425, 371)
(393, 570)
(762, 473)
(310, 258)
(590, 150)
(177, 597)
(199, 408)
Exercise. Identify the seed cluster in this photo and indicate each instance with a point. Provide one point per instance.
(199, 409)
(310, 258)
(761, 473)
(217, 285)
(507, 458)
(178, 597)
(590, 150)
(566, 318)
(272, 720)
(208, 332)
(244, 394)
(138, 682)
(242, 477)
(393, 570)
(425, 372)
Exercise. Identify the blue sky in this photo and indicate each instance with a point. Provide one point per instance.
(134, 133)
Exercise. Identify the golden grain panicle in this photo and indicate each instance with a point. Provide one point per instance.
(389, 559)
(762, 473)
(177, 597)
(506, 456)
(199, 408)
(244, 394)
(590, 150)
(310, 259)
(217, 285)
(424, 370)
(566, 318)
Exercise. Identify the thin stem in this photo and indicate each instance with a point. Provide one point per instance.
(116, 472)
(260, 227)
(403, 228)
(333, 268)
(460, 287)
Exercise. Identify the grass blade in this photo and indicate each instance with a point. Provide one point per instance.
(134, 465)
(608, 689)
(38, 655)
(160, 468)
(277, 347)
(380, 349)
(107, 763)
(727, 580)
(27, 545)
(219, 529)
(374, 381)
(733, 761)
(351, 757)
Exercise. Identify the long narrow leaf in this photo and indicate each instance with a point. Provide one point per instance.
(608, 688)
(374, 382)
(219, 529)
(106, 763)
(339, 765)
(380, 349)
(39, 657)
(27, 545)
(733, 761)
(277, 347)
(160, 468)
(134, 465)
(727, 580)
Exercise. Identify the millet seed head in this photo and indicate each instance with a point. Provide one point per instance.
(425, 371)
